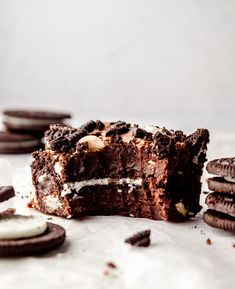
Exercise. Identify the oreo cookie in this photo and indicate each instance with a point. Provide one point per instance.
(34, 121)
(219, 220)
(12, 143)
(224, 203)
(26, 235)
(219, 184)
(53, 237)
(221, 202)
(224, 169)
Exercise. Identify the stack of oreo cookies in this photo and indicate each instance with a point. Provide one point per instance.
(221, 202)
(24, 129)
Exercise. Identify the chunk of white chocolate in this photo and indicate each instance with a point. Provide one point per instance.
(94, 143)
(181, 209)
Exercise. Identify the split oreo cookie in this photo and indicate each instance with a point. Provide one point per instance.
(26, 235)
(30, 121)
(12, 143)
(51, 238)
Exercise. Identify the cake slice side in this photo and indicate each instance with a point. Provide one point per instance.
(119, 169)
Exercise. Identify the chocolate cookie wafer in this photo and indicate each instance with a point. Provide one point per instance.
(224, 203)
(31, 121)
(219, 220)
(224, 169)
(12, 143)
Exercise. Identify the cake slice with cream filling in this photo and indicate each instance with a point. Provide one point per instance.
(118, 168)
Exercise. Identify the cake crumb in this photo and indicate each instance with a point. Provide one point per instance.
(234, 245)
(208, 241)
(111, 265)
(205, 192)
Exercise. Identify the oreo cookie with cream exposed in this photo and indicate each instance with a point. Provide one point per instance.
(28, 235)
(12, 143)
(35, 121)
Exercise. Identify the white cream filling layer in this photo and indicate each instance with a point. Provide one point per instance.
(19, 144)
(19, 121)
(52, 202)
(77, 186)
(229, 179)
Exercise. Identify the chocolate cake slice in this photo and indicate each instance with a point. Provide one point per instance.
(119, 169)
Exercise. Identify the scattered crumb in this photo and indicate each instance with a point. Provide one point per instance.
(233, 245)
(111, 265)
(106, 273)
(208, 241)
(205, 192)
(111, 271)
(50, 218)
(141, 239)
(202, 232)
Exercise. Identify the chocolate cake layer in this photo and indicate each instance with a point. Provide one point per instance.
(119, 169)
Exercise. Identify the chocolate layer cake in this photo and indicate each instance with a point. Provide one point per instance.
(119, 169)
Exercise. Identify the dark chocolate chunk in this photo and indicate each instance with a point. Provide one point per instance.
(64, 138)
(164, 144)
(88, 126)
(222, 167)
(100, 125)
(51, 239)
(141, 133)
(218, 184)
(196, 144)
(179, 136)
(224, 203)
(119, 127)
(141, 239)
(219, 220)
(6, 192)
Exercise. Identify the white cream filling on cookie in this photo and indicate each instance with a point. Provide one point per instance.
(77, 186)
(229, 179)
(19, 121)
(17, 227)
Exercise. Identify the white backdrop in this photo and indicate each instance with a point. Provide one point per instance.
(167, 61)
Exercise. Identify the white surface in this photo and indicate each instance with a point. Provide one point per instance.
(171, 60)
(179, 256)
